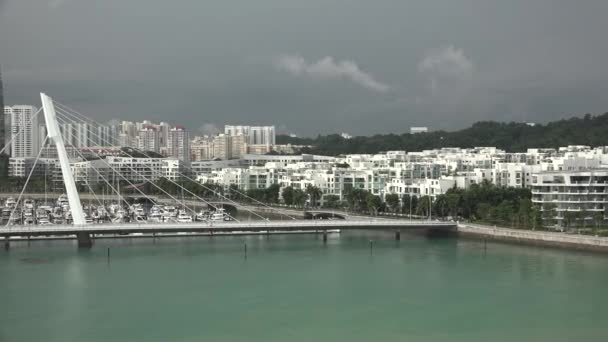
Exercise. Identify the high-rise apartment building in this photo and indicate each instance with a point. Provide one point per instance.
(262, 135)
(255, 135)
(239, 146)
(201, 148)
(163, 131)
(222, 146)
(148, 139)
(3, 135)
(178, 143)
(23, 130)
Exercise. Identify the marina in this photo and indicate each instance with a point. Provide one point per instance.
(44, 213)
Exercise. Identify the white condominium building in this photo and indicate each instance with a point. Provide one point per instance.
(581, 195)
(149, 139)
(256, 135)
(23, 129)
(178, 144)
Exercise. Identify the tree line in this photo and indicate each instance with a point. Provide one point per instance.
(511, 137)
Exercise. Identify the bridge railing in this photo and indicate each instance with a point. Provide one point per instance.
(273, 225)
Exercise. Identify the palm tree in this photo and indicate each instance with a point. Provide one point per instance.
(598, 217)
(314, 193)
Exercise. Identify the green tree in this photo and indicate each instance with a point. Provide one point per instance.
(454, 201)
(272, 193)
(524, 212)
(374, 203)
(314, 194)
(569, 219)
(392, 200)
(288, 195)
(423, 208)
(356, 199)
(409, 204)
(299, 198)
(235, 193)
(441, 206)
(331, 201)
(582, 217)
(549, 213)
(483, 211)
(505, 212)
(598, 218)
(536, 218)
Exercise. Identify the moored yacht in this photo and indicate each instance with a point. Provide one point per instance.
(220, 215)
(182, 217)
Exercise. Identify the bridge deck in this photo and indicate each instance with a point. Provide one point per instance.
(253, 226)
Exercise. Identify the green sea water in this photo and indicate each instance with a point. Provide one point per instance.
(296, 288)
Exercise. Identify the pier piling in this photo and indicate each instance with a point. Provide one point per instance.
(84, 240)
(398, 235)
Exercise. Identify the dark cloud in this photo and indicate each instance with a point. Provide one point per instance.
(371, 66)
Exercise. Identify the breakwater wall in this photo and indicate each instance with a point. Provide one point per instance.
(541, 238)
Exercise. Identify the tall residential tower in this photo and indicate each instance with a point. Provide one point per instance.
(3, 156)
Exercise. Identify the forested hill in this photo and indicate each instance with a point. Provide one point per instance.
(512, 137)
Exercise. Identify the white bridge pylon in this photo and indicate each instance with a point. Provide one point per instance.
(52, 127)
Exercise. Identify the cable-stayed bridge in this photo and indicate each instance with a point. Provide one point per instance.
(76, 222)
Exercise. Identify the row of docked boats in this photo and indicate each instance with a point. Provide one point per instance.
(44, 213)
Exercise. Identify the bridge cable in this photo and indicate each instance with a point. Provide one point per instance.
(26, 182)
(158, 173)
(21, 130)
(145, 178)
(104, 179)
(63, 121)
(181, 174)
(74, 112)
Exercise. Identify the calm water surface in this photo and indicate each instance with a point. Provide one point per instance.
(295, 288)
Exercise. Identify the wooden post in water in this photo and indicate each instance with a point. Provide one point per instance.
(324, 236)
(108, 255)
(371, 247)
(7, 244)
(245, 250)
(398, 235)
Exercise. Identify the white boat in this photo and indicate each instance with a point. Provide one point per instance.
(28, 204)
(44, 221)
(6, 212)
(156, 214)
(46, 208)
(220, 215)
(62, 201)
(119, 216)
(10, 202)
(183, 217)
(170, 211)
(202, 216)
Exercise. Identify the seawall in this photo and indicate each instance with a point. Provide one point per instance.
(540, 238)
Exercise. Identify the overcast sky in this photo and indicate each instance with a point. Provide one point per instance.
(310, 66)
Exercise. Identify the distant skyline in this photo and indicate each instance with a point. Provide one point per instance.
(309, 67)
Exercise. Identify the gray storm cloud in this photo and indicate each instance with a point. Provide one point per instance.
(369, 67)
(447, 66)
(328, 68)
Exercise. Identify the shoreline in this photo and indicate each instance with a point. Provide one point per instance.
(534, 238)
